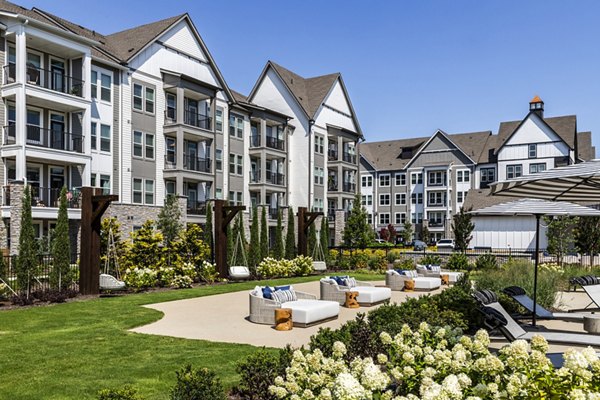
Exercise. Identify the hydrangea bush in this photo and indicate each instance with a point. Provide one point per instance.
(140, 278)
(283, 268)
(440, 363)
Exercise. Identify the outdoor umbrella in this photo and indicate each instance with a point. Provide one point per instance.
(537, 208)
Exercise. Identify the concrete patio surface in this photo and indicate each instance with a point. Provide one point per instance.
(223, 318)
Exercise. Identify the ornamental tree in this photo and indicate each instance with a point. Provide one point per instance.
(278, 251)
(264, 235)
(27, 260)
(462, 228)
(290, 236)
(61, 276)
(357, 232)
(254, 253)
(324, 238)
(209, 231)
(587, 235)
(406, 233)
(169, 220)
(561, 235)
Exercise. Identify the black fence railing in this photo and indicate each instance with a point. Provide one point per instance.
(43, 277)
(199, 164)
(50, 197)
(255, 141)
(196, 208)
(349, 187)
(55, 79)
(48, 138)
(349, 158)
(273, 212)
(255, 176)
(275, 143)
(170, 161)
(332, 187)
(198, 120)
(275, 178)
(332, 155)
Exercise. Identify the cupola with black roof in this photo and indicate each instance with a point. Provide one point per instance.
(536, 105)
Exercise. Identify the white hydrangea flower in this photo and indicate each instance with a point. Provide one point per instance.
(347, 387)
(339, 349)
(382, 358)
(385, 338)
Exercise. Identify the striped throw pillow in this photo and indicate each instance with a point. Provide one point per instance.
(283, 296)
(350, 282)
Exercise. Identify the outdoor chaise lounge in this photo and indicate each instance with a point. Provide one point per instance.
(395, 280)
(333, 289)
(591, 286)
(306, 309)
(519, 295)
(498, 318)
(435, 271)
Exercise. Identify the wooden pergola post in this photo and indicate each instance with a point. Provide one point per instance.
(93, 206)
(223, 216)
(305, 220)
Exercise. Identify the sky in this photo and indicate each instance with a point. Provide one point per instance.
(410, 67)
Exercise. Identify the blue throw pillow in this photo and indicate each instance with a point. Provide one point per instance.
(340, 279)
(267, 292)
(282, 287)
(400, 271)
(428, 267)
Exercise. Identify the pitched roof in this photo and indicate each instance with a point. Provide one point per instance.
(16, 9)
(238, 97)
(565, 127)
(481, 198)
(129, 42)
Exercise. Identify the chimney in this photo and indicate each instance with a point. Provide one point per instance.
(536, 105)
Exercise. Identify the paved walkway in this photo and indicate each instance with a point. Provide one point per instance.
(222, 318)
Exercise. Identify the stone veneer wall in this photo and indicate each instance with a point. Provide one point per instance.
(17, 190)
(130, 215)
(338, 227)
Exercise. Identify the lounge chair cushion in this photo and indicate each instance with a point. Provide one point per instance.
(349, 282)
(257, 291)
(433, 268)
(372, 294)
(283, 296)
(309, 311)
(329, 280)
(339, 279)
(453, 277)
(267, 292)
(427, 283)
(239, 272)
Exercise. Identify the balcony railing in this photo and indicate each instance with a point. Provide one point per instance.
(255, 176)
(53, 80)
(50, 197)
(332, 154)
(48, 138)
(273, 212)
(349, 187)
(275, 178)
(196, 163)
(350, 158)
(436, 204)
(255, 141)
(435, 224)
(170, 115)
(170, 161)
(198, 120)
(332, 187)
(435, 184)
(331, 215)
(196, 208)
(275, 143)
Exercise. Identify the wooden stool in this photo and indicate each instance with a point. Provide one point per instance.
(283, 319)
(351, 301)
(409, 285)
(445, 279)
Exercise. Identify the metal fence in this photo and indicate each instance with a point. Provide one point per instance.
(42, 277)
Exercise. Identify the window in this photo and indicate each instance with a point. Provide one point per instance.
(459, 197)
(384, 218)
(93, 180)
(319, 144)
(137, 97)
(399, 218)
(150, 146)
(370, 219)
(437, 178)
(319, 175)
(137, 190)
(105, 184)
(532, 150)
(219, 193)
(149, 191)
(367, 181)
(367, 200)
(138, 144)
(400, 179)
(236, 125)
(400, 199)
(94, 84)
(416, 178)
(384, 180)
(514, 171)
(235, 198)
(94, 136)
(384, 199)
(416, 198)
(417, 218)
(219, 119)
(236, 164)
(150, 100)
(104, 137)
(436, 199)
(467, 176)
(171, 107)
(105, 87)
(219, 159)
(170, 187)
(535, 168)
(488, 175)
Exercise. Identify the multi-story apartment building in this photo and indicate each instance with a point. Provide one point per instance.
(426, 180)
(145, 112)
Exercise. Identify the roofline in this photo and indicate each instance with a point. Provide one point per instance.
(358, 128)
(261, 108)
(51, 28)
(113, 64)
(368, 162)
(429, 141)
(144, 47)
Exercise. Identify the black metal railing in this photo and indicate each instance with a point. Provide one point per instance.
(198, 120)
(255, 176)
(196, 208)
(332, 187)
(435, 224)
(349, 187)
(275, 178)
(436, 184)
(331, 215)
(50, 197)
(170, 115)
(53, 80)
(255, 141)
(275, 143)
(273, 212)
(48, 138)
(199, 164)
(436, 204)
(348, 157)
(170, 161)
(332, 154)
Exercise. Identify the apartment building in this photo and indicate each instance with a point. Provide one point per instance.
(145, 112)
(426, 180)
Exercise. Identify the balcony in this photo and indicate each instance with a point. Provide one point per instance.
(273, 212)
(255, 176)
(436, 223)
(192, 163)
(196, 208)
(275, 178)
(348, 157)
(349, 187)
(332, 187)
(170, 161)
(48, 138)
(53, 80)
(255, 141)
(190, 117)
(331, 215)
(332, 154)
(50, 197)
(275, 143)
(436, 204)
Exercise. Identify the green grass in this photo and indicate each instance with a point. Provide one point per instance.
(72, 350)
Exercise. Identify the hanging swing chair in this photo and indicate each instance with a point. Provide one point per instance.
(107, 281)
(239, 272)
(319, 255)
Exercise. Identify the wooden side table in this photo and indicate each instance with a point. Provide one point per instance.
(409, 285)
(351, 301)
(445, 279)
(283, 319)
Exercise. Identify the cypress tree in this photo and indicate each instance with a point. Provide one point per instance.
(290, 236)
(357, 232)
(169, 219)
(254, 253)
(231, 243)
(325, 237)
(264, 235)
(208, 231)
(27, 260)
(278, 246)
(60, 276)
(312, 239)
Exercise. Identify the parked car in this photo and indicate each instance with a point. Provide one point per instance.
(419, 245)
(445, 244)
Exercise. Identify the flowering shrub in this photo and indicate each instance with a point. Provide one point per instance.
(551, 267)
(207, 272)
(3, 291)
(140, 278)
(302, 266)
(271, 268)
(439, 363)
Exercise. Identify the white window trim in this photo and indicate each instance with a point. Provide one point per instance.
(389, 179)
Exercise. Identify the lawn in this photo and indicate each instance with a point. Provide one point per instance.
(72, 350)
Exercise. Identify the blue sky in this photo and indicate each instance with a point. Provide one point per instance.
(410, 66)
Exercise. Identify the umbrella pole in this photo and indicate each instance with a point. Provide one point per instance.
(535, 271)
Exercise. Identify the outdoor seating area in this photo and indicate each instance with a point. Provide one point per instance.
(335, 289)
(410, 280)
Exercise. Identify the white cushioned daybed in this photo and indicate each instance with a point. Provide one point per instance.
(306, 309)
(435, 271)
(335, 288)
(395, 280)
